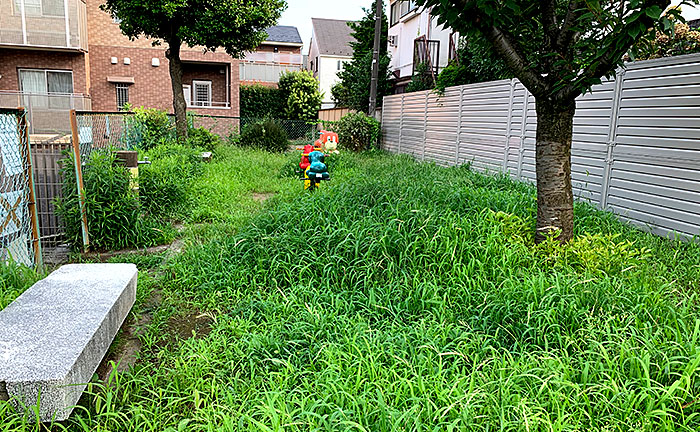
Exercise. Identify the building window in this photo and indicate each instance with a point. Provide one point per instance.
(46, 88)
(400, 9)
(49, 8)
(316, 65)
(202, 93)
(122, 95)
(340, 65)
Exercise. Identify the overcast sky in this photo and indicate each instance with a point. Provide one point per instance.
(300, 12)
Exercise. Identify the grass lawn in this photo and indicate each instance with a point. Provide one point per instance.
(403, 296)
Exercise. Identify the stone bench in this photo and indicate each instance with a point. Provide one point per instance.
(54, 336)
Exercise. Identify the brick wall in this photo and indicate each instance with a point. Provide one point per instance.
(207, 72)
(285, 49)
(13, 59)
(151, 86)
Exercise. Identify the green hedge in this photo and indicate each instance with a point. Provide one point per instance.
(258, 101)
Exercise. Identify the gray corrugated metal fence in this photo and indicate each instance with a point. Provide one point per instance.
(636, 148)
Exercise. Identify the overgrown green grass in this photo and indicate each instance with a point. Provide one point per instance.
(408, 297)
(14, 280)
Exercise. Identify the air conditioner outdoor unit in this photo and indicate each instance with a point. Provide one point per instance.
(393, 40)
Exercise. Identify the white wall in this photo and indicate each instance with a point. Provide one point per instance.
(328, 76)
(410, 27)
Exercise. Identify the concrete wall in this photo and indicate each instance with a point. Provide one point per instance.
(636, 148)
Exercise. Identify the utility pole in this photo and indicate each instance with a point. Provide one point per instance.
(375, 58)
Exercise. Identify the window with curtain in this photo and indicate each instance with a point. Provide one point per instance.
(49, 8)
(47, 87)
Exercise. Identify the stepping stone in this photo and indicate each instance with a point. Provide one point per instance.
(53, 337)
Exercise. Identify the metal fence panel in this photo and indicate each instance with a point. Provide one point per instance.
(636, 143)
(18, 223)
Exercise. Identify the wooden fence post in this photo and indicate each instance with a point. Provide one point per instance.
(23, 129)
(79, 177)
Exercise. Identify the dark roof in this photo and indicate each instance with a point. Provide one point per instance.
(286, 34)
(333, 36)
(694, 24)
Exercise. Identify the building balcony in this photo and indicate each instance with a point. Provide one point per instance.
(274, 58)
(43, 24)
(48, 113)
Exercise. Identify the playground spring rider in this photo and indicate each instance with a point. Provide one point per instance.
(313, 168)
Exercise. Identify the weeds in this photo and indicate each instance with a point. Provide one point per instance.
(408, 297)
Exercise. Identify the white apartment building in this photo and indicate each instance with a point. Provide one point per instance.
(415, 37)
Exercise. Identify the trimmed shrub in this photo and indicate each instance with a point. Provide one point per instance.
(357, 132)
(165, 185)
(203, 139)
(299, 89)
(266, 135)
(112, 208)
(258, 101)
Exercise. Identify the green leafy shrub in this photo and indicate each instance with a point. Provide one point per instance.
(14, 280)
(258, 101)
(203, 139)
(112, 207)
(265, 135)
(357, 132)
(151, 127)
(165, 185)
(300, 91)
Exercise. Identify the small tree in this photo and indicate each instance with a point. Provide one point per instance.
(352, 91)
(558, 49)
(235, 25)
(300, 90)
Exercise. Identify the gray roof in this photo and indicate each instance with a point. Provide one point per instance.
(333, 36)
(286, 34)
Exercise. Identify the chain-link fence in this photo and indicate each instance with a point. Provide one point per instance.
(297, 130)
(19, 234)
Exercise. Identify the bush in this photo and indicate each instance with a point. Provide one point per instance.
(203, 139)
(14, 279)
(266, 135)
(358, 132)
(258, 101)
(150, 127)
(112, 208)
(165, 185)
(300, 91)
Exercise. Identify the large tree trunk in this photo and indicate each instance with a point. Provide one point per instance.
(179, 105)
(555, 199)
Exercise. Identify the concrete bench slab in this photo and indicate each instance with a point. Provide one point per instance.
(54, 336)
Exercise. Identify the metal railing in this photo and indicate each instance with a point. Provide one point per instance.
(46, 24)
(274, 58)
(47, 113)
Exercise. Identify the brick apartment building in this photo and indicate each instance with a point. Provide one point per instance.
(57, 55)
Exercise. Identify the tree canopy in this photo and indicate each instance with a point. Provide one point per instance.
(236, 26)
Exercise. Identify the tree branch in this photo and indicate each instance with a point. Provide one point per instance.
(566, 33)
(616, 44)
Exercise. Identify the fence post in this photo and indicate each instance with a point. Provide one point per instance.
(29, 172)
(509, 125)
(425, 123)
(79, 177)
(612, 138)
(523, 126)
(459, 124)
(403, 99)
